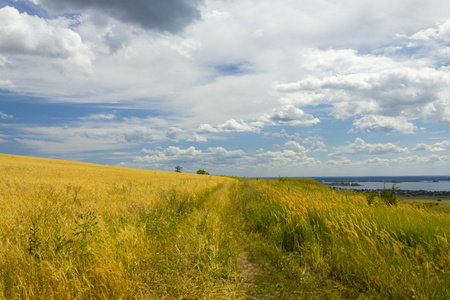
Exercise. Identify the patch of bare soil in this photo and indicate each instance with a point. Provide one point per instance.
(248, 270)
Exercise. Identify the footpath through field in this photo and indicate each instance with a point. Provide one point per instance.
(242, 264)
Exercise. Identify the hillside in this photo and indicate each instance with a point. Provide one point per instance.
(72, 230)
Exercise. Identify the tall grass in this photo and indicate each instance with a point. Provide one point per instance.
(382, 251)
(81, 231)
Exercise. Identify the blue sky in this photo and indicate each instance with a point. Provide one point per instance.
(247, 88)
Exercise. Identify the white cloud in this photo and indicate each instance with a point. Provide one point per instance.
(99, 117)
(231, 126)
(441, 31)
(21, 33)
(294, 146)
(7, 85)
(70, 145)
(174, 133)
(170, 154)
(367, 85)
(441, 161)
(283, 134)
(291, 115)
(211, 157)
(286, 115)
(84, 137)
(359, 146)
(316, 144)
(222, 153)
(198, 138)
(4, 116)
(374, 123)
(440, 146)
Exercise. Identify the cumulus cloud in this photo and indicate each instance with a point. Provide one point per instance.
(440, 146)
(212, 156)
(267, 157)
(367, 85)
(441, 31)
(288, 115)
(231, 126)
(174, 133)
(294, 146)
(375, 123)
(222, 153)
(434, 159)
(198, 138)
(316, 144)
(169, 15)
(283, 134)
(21, 33)
(291, 115)
(359, 146)
(170, 154)
(25, 34)
(286, 158)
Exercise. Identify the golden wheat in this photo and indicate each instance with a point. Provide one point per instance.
(73, 230)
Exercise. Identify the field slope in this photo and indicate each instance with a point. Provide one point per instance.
(82, 231)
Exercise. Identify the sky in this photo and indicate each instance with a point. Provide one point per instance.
(255, 88)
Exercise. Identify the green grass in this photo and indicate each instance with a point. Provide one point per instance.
(381, 251)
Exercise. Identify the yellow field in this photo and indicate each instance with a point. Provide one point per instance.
(81, 231)
(73, 230)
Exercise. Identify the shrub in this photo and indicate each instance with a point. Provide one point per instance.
(370, 197)
(388, 196)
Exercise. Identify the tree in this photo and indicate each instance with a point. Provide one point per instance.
(201, 171)
(178, 169)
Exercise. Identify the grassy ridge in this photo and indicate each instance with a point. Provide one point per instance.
(381, 251)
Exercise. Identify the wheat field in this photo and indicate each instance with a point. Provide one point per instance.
(70, 230)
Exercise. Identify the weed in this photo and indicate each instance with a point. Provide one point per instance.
(388, 196)
(85, 230)
(370, 197)
(34, 241)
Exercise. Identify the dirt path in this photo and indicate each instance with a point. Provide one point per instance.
(247, 268)
(223, 204)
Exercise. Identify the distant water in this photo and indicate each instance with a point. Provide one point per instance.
(428, 186)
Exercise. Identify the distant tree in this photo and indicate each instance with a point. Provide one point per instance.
(201, 171)
(178, 169)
